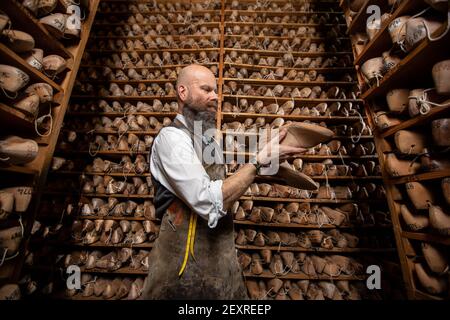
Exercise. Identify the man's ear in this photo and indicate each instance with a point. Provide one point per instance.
(182, 92)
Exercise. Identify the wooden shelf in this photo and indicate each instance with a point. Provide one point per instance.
(305, 226)
(111, 25)
(308, 157)
(426, 296)
(292, 82)
(323, 177)
(286, 25)
(321, 250)
(131, 81)
(125, 98)
(279, 53)
(9, 57)
(129, 218)
(304, 102)
(382, 40)
(102, 153)
(233, 133)
(20, 16)
(168, 66)
(95, 245)
(427, 237)
(252, 67)
(93, 131)
(126, 196)
(415, 68)
(123, 270)
(64, 172)
(418, 120)
(281, 13)
(18, 169)
(144, 51)
(329, 201)
(302, 276)
(421, 177)
(242, 116)
(121, 114)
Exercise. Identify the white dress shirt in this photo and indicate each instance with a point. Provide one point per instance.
(175, 164)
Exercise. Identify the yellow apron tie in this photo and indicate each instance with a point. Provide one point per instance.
(189, 242)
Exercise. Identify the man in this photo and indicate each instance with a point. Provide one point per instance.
(194, 256)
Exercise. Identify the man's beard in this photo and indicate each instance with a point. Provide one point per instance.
(207, 119)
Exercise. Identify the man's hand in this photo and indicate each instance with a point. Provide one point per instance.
(274, 151)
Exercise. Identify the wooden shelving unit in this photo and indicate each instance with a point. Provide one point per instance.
(413, 71)
(12, 120)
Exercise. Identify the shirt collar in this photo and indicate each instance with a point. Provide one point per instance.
(181, 118)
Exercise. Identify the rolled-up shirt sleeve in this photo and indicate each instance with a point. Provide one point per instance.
(175, 165)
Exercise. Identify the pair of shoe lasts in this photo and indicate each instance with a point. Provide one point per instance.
(414, 102)
(126, 165)
(107, 184)
(18, 41)
(98, 206)
(28, 102)
(374, 69)
(15, 150)
(60, 25)
(111, 232)
(118, 288)
(52, 64)
(436, 218)
(428, 163)
(14, 199)
(10, 240)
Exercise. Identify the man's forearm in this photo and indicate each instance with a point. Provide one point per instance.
(236, 185)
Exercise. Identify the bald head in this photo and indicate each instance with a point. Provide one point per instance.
(197, 88)
(193, 73)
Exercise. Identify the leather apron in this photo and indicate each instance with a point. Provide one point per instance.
(213, 272)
